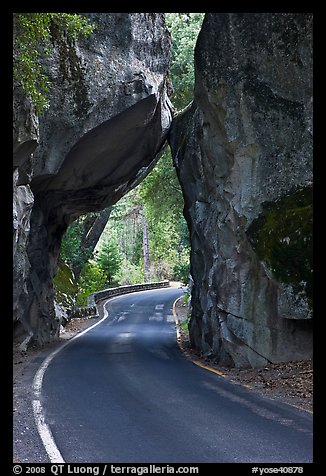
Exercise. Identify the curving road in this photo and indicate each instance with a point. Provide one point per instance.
(123, 392)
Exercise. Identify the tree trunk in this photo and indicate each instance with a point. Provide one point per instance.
(93, 229)
(146, 250)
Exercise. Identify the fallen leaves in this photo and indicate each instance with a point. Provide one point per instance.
(290, 381)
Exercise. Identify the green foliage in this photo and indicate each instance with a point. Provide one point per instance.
(168, 231)
(92, 279)
(109, 259)
(125, 227)
(184, 29)
(185, 326)
(65, 286)
(186, 299)
(181, 271)
(186, 311)
(70, 244)
(71, 250)
(168, 240)
(130, 273)
(282, 237)
(124, 233)
(34, 37)
(161, 191)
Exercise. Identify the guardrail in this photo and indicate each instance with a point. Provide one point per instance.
(94, 298)
(80, 312)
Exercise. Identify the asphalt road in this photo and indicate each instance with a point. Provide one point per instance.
(123, 392)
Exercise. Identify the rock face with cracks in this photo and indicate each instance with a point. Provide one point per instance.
(25, 140)
(103, 132)
(243, 154)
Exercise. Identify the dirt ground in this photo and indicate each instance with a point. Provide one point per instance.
(22, 358)
(291, 382)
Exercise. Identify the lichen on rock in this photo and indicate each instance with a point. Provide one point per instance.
(282, 238)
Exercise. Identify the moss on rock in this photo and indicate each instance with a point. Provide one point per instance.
(65, 286)
(282, 238)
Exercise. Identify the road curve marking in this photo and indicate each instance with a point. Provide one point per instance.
(207, 367)
(38, 411)
(46, 434)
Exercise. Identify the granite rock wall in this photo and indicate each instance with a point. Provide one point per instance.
(243, 154)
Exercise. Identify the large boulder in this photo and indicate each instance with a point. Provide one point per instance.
(243, 154)
(104, 130)
(25, 140)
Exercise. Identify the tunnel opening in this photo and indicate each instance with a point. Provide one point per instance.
(144, 236)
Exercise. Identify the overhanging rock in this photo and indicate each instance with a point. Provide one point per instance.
(103, 132)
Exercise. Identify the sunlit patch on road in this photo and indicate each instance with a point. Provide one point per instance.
(157, 317)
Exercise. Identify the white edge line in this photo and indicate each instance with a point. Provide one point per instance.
(175, 315)
(39, 413)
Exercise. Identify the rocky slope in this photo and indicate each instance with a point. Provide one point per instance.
(243, 154)
(105, 128)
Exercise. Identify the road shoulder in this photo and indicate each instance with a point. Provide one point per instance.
(25, 365)
(289, 382)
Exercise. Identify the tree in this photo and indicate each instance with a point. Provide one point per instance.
(70, 244)
(91, 280)
(35, 35)
(93, 225)
(184, 29)
(160, 191)
(109, 259)
(146, 254)
(81, 237)
(125, 226)
(167, 229)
